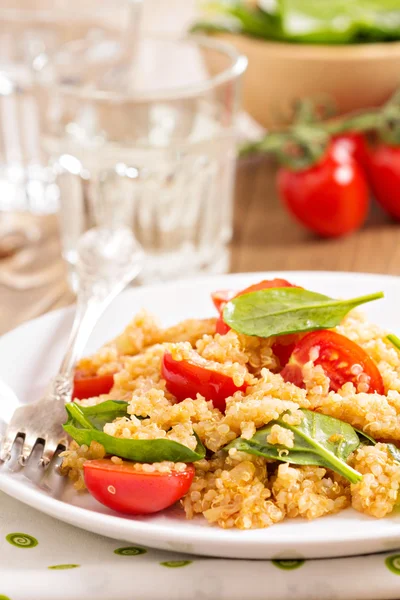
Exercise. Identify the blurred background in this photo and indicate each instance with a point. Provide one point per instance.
(230, 136)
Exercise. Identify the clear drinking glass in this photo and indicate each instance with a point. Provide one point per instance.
(29, 28)
(149, 144)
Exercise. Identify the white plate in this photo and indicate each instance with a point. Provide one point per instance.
(30, 355)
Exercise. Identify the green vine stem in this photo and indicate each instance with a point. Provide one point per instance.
(307, 140)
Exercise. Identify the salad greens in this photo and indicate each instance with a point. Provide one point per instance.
(318, 440)
(85, 425)
(308, 21)
(105, 412)
(278, 311)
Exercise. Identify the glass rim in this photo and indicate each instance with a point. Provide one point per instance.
(21, 14)
(237, 67)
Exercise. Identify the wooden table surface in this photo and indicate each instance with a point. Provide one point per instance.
(265, 238)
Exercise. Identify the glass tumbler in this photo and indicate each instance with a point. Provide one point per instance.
(149, 143)
(29, 28)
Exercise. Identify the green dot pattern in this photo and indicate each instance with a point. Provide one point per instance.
(174, 564)
(130, 551)
(21, 540)
(61, 567)
(288, 565)
(393, 563)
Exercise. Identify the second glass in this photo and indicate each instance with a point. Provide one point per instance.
(149, 143)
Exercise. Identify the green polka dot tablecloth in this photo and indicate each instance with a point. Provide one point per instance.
(44, 559)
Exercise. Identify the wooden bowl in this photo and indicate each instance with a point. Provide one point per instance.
(355, 76)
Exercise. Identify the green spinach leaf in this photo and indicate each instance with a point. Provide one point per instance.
(318, 440)
(84, 426)
(105, 412)
(278, 311)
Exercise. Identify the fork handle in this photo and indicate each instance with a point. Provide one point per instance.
(86, 316)
(102, 276)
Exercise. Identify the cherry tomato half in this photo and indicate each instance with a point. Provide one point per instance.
(89, 386)
(264, 285)
(284, 345)
(330, 197)
(384, 177)
(221, 297)
(341, 359)
(124, 489)
(186, 379)
(221, 327)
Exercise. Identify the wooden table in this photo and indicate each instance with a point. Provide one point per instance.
(265, 239)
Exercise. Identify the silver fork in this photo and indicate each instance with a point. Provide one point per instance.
(107, 262)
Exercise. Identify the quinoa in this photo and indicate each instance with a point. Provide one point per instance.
(376, 494)
(75, 457)
(233, 494)
(236, 489)
(281, 435)
(309, 492)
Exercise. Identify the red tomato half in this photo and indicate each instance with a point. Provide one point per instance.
(329, 198)
(122, 488)
(186, 380)
(264, 285)
(341, 359)
(221, 327)
(221, 297)
(89, 386)
(283, 347)
(384, 177)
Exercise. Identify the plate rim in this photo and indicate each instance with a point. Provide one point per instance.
(76, 515)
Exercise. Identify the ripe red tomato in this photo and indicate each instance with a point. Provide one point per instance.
(284, 345)
(264, 285)
(89, 386)
(221, 327)
(221, 297)
(341, 359)
(186, 379)
(384, 177)
(122, 488)
(329, 198)
(351, 144)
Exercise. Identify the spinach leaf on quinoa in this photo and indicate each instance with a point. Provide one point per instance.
(279, 311)
(318, 440)
(85, 425)
(366, 439)
(105, 412)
